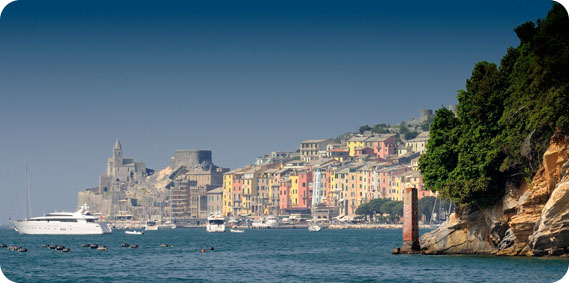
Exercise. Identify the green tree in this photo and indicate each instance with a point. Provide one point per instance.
(505, 118)
(381, 129)
(426, 207)
(364, 128)
(442, 153)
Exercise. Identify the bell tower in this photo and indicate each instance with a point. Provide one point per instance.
(117, 155)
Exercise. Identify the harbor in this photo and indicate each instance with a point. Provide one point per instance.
(294, 255)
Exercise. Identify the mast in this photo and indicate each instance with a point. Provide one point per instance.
(433, 212)
(28, 202)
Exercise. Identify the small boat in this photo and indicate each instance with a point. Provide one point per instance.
(134, 232)
(235, 230)
(314, 228)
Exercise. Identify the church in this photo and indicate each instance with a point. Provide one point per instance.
(122, 172)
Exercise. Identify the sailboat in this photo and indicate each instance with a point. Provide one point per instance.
(440, 214)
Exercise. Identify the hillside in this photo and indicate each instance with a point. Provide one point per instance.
(503, 157)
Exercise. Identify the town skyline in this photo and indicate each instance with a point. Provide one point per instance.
(241, 80)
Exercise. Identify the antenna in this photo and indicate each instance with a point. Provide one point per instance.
(28, 202)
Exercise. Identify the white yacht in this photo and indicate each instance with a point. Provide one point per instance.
(81, 222)
(215, 223)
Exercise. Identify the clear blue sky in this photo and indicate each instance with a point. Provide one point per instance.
(241, 78)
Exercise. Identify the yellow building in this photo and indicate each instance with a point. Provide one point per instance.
(363, 187)
(355, 143)
(293, 189)
(333, 197)
(419, 143)
(227, 205)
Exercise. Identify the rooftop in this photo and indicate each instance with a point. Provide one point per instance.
(314, 141)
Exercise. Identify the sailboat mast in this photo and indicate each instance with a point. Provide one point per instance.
(28, 203)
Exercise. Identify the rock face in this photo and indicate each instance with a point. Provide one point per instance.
(531, 219)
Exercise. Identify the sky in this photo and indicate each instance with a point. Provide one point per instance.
(240, 78)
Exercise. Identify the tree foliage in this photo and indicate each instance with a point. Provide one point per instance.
(505, 117)
(364, 128)
(381, 128)
(381, 206)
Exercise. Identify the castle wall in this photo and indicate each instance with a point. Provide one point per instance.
(191, 158)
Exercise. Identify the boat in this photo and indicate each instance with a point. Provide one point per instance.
(215, 223)
(314, 228)
(150, 226)
(81, 222)
(235, 230)
(272, 222)
(134, 232)
(166, 225)
(265, 223)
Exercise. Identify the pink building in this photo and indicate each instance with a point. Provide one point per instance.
(383, 145)
(304, 191)
(284, 193)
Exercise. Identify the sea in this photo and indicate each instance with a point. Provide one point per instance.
(277, 255)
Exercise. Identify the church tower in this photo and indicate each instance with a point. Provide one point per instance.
(115, 161)
(117, 154)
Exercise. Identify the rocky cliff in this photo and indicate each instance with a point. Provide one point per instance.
(531, 219)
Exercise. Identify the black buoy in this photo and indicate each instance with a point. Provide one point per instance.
(22, 250)
(211, 249)
(59, 248)
(66, 250)
(3, 246)
(85, 245)
(93, 246)
(52, 247)
(125, 245)
(14, 248)
(133, 246)
(45, 246)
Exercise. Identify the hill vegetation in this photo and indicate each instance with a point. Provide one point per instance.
(505, 118)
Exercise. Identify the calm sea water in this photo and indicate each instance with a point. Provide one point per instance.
(294, 255)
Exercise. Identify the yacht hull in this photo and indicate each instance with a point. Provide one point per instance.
(215, 228)
(60, 228)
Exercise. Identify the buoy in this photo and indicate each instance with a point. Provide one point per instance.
(211, 249)
(125, 245)
(45, 246)
(14, 248)
(22, 250)
(52, 247)
(203, 250)
(93, 246)
(59, 248)
(66, 250)
(133, 246)
(3, 246)
(163, 245)
(103, 248)
(85, 245)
